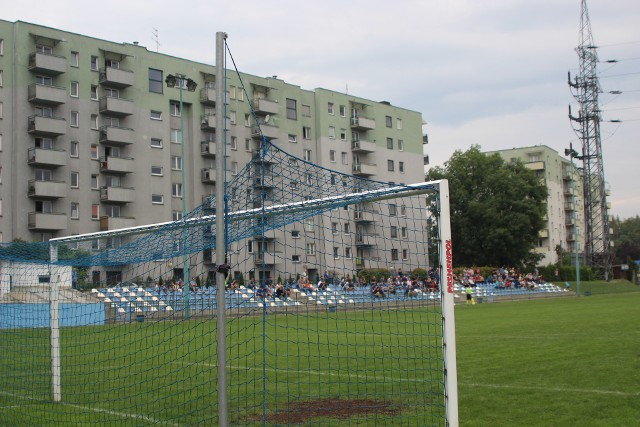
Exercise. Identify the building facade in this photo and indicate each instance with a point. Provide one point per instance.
(565, 201)
(90, 134)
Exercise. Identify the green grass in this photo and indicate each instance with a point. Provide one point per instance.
(561, 362)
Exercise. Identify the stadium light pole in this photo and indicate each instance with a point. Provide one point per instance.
(574, 154)
(181, 80)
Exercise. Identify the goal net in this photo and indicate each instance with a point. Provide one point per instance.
(337, 309)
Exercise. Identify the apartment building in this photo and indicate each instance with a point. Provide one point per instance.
(90, 134)
(565, 202)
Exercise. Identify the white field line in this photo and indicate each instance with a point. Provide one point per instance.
(388, 379)
(98, 410)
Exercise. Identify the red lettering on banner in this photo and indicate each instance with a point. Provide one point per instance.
(449, 266)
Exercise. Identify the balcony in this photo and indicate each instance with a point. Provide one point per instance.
(208, 122)
(363, 123)
(116, 223)
(362, 216)
(116, 164)
(47, 221)
(263, 182)
(262, 106)
(45, 94)
(116, 135)
(47, 189)
(116, 106)
(363, 169)
(116, 77)
(117, 194)
(43, 63)
(208, 176)
(535, 166)
(363, 146)
(208, 148)
(544, 234)
(46, 157)
(269, 131)
(264, 258)
(569, 206)
(208, 96)
(47, 126)
(365, 239)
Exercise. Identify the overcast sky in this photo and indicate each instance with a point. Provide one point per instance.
(491, 72)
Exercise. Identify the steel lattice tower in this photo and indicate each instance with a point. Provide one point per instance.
(586, 87)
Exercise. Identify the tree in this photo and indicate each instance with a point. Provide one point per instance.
(626, 234)
(497, 209)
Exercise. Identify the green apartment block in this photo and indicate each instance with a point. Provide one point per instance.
(90, 133)
(565, 202)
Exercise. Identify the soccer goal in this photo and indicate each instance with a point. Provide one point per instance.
(337, 306)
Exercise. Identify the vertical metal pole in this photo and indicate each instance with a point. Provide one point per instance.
(54, 326)
(185, 258)
(447, 302)
(220, 243)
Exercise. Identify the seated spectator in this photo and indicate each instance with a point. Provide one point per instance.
(377, 291)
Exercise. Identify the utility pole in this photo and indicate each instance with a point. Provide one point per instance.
(585, 88)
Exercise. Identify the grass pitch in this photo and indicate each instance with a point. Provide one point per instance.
(557, 362)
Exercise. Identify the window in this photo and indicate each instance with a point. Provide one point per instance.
(247, 144)
(234, 168)
(176, 189)
(403, 210)
(94, 152)
(156, 142)
(330, 108)
(333, 179)
(399, 124)
(94, 182)
(295, 234)
(308, 178)
(307, 155)
(311, 249)
(43, 175)
(292, 138)
(1, 79)
(44, 206)
(247, 120)
(292, 112)
(400, 166)
(390, 165)
(388, 121)
(73, 89)
(306, 132)
(334, 228)
(73, 149)
(1, 46)
(45, 143)
(332, 156)
(393, 210)
(343, 134)
(394, 255)
(112, 211)
(336, 252)
(343, 111)
(75, 179)
(156, 170)
(332, 132)
(95, 211)
(94, 63)
(94, 92)
(394, 232)
(390, 143)
(403, 233)
(347, 228)
(176, 215)
(176, 136)
(405, 254)
(176, 163)
(75, 59)
(74, 119)
(309, 225)
(233, 143)
(174, 109)
(155, 115)
(157, 199)
(232, 117)
(232, 92)
(75, 210)
(155, 80)
(94, 121)
(401, 145)
(295, 258)
(306, 110)
(345, 158)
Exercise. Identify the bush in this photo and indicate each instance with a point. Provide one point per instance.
(380, 274)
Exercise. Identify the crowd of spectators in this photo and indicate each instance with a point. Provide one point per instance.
(501, 278)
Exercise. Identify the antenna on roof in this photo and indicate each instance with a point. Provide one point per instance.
(156, 37)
